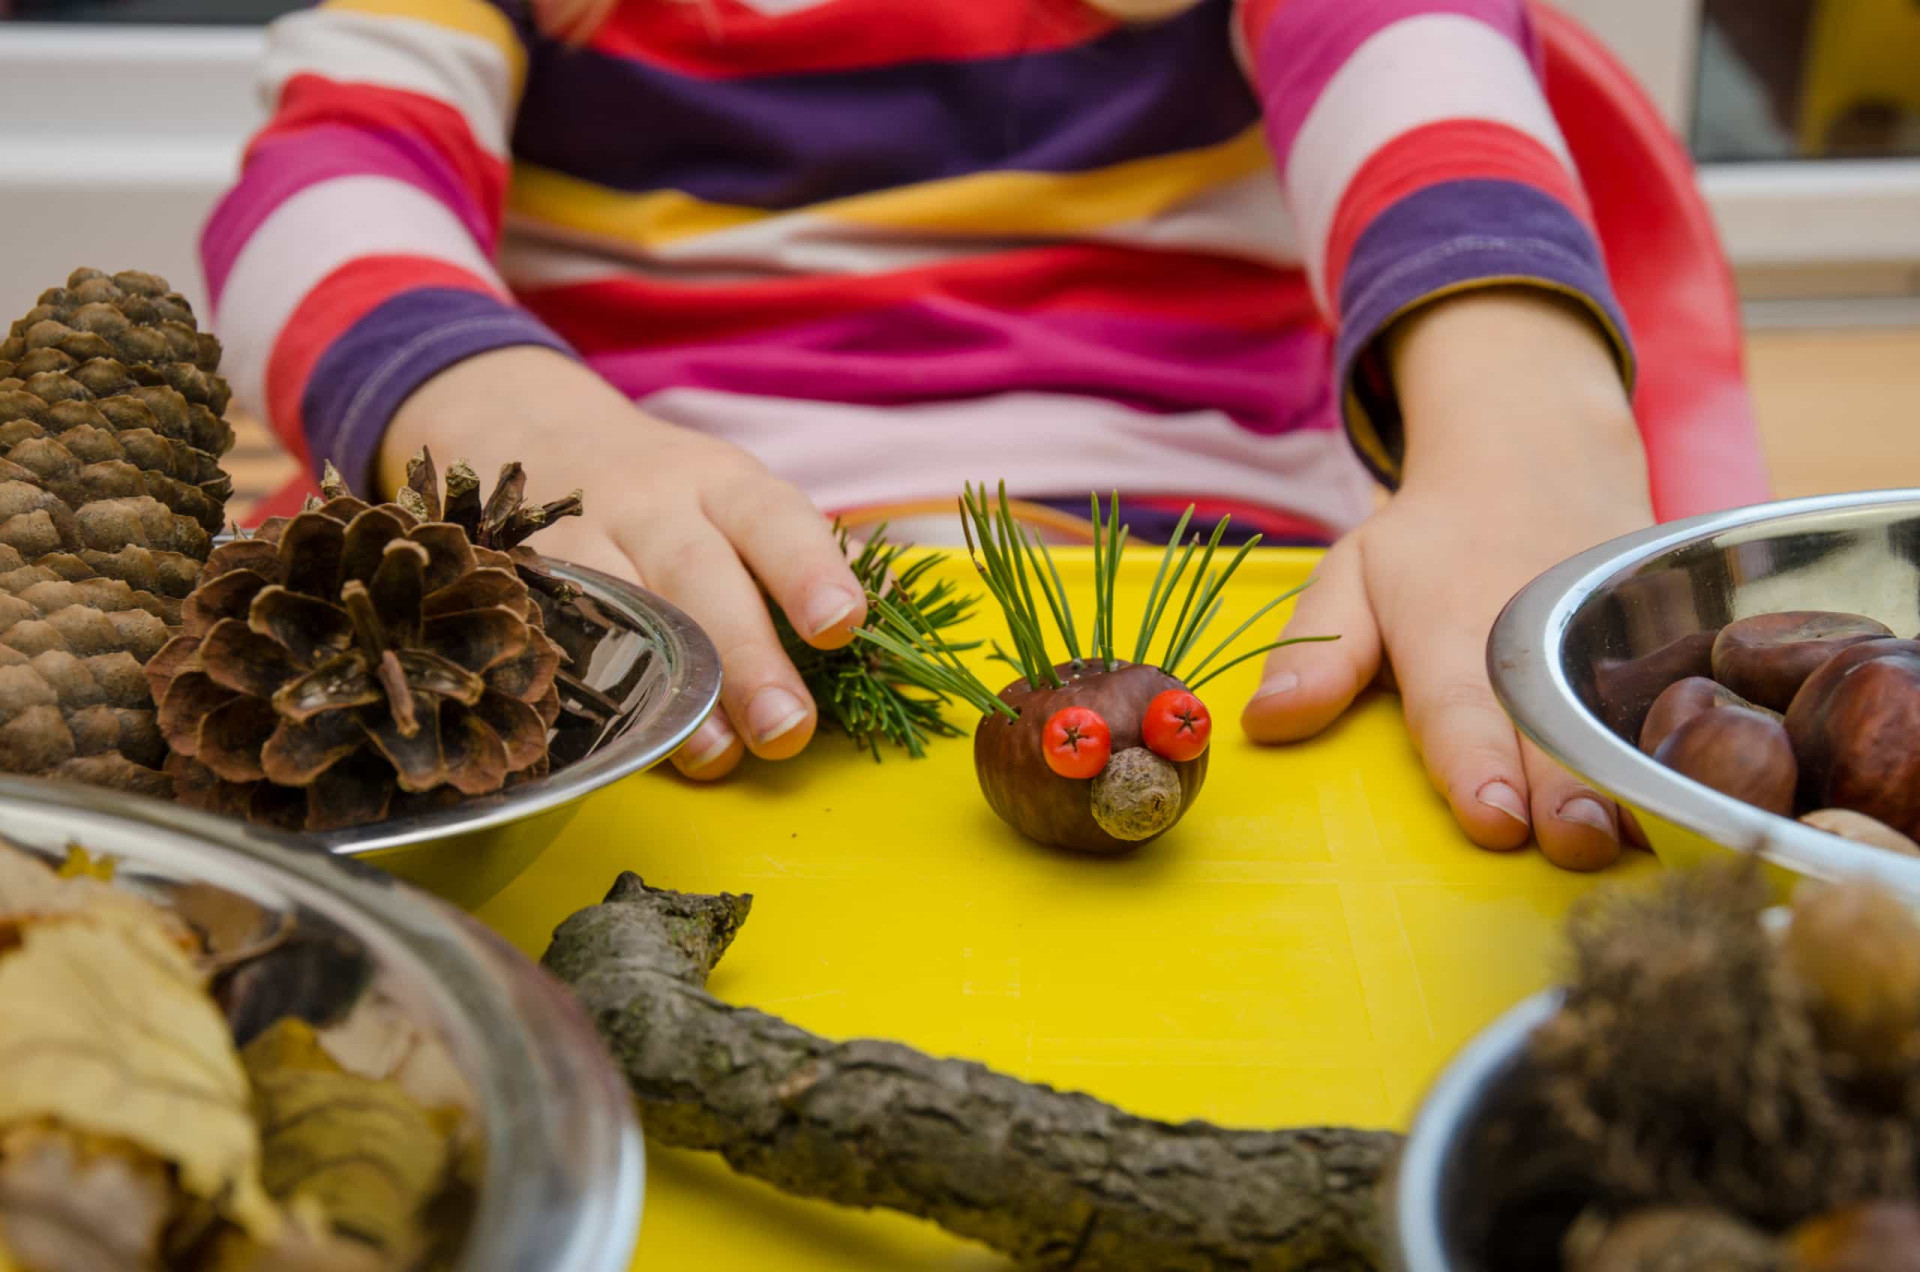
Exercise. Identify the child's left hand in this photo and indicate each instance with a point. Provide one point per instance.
(1521, 451)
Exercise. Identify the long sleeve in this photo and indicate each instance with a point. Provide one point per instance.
(1418, 158)
(353, 259)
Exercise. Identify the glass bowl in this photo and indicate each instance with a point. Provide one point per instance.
(563, 1164)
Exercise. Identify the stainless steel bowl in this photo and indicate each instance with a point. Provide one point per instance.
(666, 676)
(1440, 1211)
(563, 1166)
(1566, 656)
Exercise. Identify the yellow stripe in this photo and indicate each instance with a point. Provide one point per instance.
(469, 17)
(1013, 204)
(647, 220)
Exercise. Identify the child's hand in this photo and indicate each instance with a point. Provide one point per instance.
(693, 519)
(1521, 451)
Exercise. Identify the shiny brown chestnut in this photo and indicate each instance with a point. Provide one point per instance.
(1737, 751)
(1766, 658)
(1011, 765)
(1855, 727)
(1625, 690)
(1680, 702)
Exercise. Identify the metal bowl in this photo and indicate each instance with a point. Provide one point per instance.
(1572, 654)
(1440, 1208)
(561, 1185)
(1442, 1211)
(666, 677)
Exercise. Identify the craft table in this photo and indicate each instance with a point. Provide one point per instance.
(1309, 946)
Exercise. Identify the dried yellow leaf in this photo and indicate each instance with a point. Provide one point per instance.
(233, 928)
(32, 891)
(81, 864)
(367, 1155)
(358, 1148)
(379, 1039)
(69, 1205)
(110, 1031)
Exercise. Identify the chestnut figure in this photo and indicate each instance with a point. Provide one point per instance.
(1680, 702)
(1765, 659)
(1010, 760)
(1855, 727)
(1102, 752)
(1739, 752)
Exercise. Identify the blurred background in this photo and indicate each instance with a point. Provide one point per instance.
(124, 119)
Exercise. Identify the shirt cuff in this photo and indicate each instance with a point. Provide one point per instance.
(1441, 242)
(372, 368)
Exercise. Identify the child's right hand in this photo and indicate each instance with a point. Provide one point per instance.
(695, 520)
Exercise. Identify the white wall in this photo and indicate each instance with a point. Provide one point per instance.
(115, 145)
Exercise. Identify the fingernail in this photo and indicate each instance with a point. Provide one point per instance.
(1584, 810)
(1501, 797)
(708, 744)
(774, 713)
(1285, 682)
(828, 608)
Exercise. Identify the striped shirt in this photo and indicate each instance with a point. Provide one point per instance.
(892, 245)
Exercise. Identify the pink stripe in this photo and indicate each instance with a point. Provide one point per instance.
(280, 168)
(1305, 42)
(1270, 381)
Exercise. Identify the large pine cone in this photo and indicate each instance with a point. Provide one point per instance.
(357, 662)
(110, 491)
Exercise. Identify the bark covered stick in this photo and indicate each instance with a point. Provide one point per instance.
(1051, 1179)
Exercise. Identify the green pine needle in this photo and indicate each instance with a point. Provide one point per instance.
(904, 645)
(873, 693)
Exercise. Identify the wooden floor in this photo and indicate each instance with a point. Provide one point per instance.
(1839, 410)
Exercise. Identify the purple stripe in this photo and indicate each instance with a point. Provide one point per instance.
(788, 141)
(1446, 235)
(939, 350)
(1156, 525)
(282, 168)
(1308, 41)
(364, 376)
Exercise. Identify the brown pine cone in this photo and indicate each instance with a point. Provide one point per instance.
(110, 491)
(356, 662)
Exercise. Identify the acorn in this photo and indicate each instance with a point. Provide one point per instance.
(1129, 797)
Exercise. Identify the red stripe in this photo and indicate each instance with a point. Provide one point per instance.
(1450, 150)
(724, 39)
(636, 313)
(1254, 17)
(309, 99)
(340, 300)
(1270, 523)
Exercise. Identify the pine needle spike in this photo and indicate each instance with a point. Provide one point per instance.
(1151, 615)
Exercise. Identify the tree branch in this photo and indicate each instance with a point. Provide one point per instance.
(1051, 1179)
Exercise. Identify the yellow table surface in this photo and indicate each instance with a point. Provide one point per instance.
(1309, 945)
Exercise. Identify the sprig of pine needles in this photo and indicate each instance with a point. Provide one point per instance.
(866, 689)
(1013, 565)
